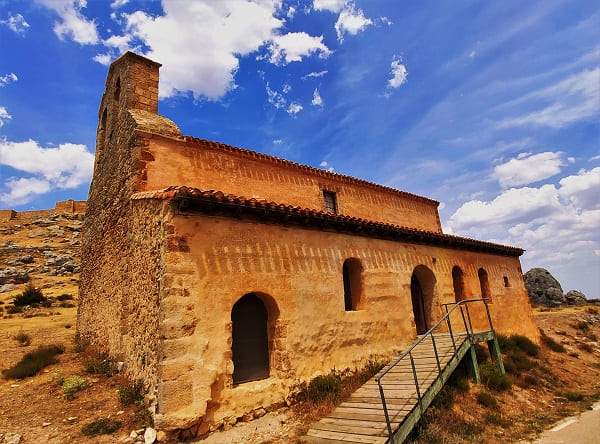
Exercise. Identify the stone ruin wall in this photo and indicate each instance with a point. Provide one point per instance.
(214, 261)
(75, 207)
(204, 165)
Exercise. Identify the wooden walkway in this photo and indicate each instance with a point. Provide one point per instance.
(361, 418)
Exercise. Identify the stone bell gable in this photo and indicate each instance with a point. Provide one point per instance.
(224, 278)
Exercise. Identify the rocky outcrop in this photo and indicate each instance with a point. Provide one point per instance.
(575, 297)
(13, 276)
(543, 288)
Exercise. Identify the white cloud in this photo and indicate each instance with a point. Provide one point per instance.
(570, 100)
(72, 22)
(351, 21)
(294, 108)
(286, 88)
(329, 5)
(277, 141)
(293, 46)
(275, 98)
(3, 117)
(118, 3)
(399, 73)
(67, 166)
(317, 100)
(103, 59)
(595, 158)
(291, 12)
(16, 23)
(203, 60)
(314, 74)
(527, 168)
(555, 223)
(323, 164)
(8, 78)
(120, 42)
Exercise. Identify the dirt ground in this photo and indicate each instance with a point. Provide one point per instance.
(36, 408)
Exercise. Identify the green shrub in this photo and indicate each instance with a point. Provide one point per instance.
(370, 369)
(23, 338)
(496, 419)
(102, 426)
(14, 309)
(34, 361)
(552, 344)
(574, 396)
(132, 393)
(515, 343)
(81, 344)
(493, 378)
(581, 325)
(585, 347)
(530, 381)
(323, 387)
(31, 295)
(65, 297)
(74, 384)
(99, 363)
(517, 362)
(487, 399)
(482, 353)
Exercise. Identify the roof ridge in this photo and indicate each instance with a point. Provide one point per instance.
(318, 171)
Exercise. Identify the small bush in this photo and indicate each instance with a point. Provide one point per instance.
(14, 309)
(592, 337)
(102, 426)
(574, 396)
(496, 419)
(31, 295)
(65, 297)
(23, 338)
(487, 399)
(530, 381)
(99, 363)
(591, 310)
(370, 369)
(581, 325)
(143, 417)
(493, 378)
(74, 384)
(132, 393)
(573, 354)
(34, 361)
(81, 344)
(585, 347)
(482, 353)
(552, 344)
(518, 362)
(323, 387)
(526, 345)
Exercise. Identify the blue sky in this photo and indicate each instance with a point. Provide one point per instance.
(492, 108)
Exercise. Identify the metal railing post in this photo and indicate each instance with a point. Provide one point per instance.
(489, 316)
(470, 324)
(385, 412)
(462, 313)
(451, 334)
(437, 359)
(412, 363)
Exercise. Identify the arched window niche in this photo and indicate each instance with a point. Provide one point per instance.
(422, 287)
(352, 271)
(458, 282)
(484, 284)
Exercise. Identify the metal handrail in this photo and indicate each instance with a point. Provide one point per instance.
(429, 333)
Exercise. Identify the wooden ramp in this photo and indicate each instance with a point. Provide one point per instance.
(361, 419)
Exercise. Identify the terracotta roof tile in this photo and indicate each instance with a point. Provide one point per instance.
(340, 221)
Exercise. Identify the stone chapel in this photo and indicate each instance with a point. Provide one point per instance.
(223, 278)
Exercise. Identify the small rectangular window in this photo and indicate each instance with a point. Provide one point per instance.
(330, 202)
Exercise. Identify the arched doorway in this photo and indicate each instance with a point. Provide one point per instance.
(352, 276)
(250, 342)
(459, 283)
(422, 284)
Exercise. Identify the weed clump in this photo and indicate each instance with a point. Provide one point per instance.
(487, 399)
(493, 378)
(517, 362)
(33, 362)
(99, 363)
(323, 387)
(552, 344)
(515, 343)
(74, 384)
(132, 393)
(482, 353)
(31, 295)
(23, 339)
(585, 347)
(81, 344)
(574, 396)
(102, 426)
(581, 325)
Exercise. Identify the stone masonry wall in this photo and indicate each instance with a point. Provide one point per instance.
(212, 262)
(206, 166)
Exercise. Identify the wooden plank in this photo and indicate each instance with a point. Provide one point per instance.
(395, 418)
(345, 437)
(356, 429)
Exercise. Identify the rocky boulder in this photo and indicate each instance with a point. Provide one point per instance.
(13, 275)
(575, 297)
(543, 288)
